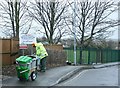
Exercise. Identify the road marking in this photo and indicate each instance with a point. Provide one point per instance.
(81, 73)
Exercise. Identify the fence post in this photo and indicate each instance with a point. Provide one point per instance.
(118, 55)
(80, 55)
(97, 55)
(88, 56)
(107, 56)
(101, 56)
(11, 43)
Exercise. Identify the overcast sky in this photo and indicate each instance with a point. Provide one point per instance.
(113, 16)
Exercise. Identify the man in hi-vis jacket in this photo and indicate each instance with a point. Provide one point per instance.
(42, 53)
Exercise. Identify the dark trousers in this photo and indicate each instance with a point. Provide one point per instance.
(43, 64)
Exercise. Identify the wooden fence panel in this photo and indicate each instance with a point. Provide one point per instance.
(5, 46)
(0, 46)
(6, 59)
(14, 46)
(0, 60)
(8, 51)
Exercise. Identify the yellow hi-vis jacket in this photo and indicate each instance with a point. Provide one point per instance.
(40, 50)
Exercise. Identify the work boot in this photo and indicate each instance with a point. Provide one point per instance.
(43, 68)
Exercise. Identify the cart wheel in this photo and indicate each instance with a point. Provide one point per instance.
(33, 76)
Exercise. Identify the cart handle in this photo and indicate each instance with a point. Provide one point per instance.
(23, 71)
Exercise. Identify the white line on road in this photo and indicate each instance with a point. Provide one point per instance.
(80, 74)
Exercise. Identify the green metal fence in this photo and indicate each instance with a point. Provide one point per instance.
(93, 55)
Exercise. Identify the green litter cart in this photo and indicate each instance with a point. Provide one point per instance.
(27, 67)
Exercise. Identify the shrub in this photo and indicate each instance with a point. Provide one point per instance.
(56, 58)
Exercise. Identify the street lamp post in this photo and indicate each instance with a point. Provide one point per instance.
(118, 25)
(74, 29)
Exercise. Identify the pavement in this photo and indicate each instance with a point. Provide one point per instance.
(53, 76)
(97, 66)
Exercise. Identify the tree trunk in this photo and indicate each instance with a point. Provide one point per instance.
(17, 5)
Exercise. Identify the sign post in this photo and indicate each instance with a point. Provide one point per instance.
(26, 39)
(23, 47)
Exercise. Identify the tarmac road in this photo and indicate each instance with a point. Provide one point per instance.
(107, 76)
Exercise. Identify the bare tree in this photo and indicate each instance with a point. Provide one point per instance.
(93, 21)
(13, 16)
(51, 15)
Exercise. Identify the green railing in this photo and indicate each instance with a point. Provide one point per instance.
(93, 55)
